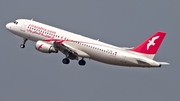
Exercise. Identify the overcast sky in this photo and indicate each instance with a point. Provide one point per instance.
(28, 75)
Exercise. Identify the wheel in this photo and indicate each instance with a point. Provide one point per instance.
(82, 62)
(22, 46)
(66, 61)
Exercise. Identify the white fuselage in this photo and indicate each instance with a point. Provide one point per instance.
(96, 50)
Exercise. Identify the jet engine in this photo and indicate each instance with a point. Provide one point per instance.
(45, 47)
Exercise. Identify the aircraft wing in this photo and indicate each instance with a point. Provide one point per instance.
(68, 47)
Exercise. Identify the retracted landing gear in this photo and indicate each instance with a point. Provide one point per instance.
(82, 62)
(66, 61)
(24, 42)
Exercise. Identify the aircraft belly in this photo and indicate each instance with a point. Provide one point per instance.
(103, 57)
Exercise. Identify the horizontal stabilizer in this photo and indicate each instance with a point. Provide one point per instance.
(164, 63)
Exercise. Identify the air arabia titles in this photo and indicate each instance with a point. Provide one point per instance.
(41, 31)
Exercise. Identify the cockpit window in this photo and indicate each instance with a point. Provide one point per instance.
(15, 22)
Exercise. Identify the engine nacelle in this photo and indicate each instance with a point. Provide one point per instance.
(45, 47)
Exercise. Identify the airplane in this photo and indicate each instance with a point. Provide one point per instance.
(77, 47)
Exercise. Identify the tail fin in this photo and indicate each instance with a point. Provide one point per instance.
(150, 46)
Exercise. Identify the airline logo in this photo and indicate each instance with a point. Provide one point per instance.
(151, 42)
(40, 46)
(150, 45)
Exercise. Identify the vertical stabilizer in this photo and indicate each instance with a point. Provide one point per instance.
(151, 45)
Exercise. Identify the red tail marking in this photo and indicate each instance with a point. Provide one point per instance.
(151, 45)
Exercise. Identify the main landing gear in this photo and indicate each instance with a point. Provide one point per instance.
(66, 61)
(24, 42)
(81, 62)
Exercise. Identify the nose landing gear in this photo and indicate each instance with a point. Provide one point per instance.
(22, 46)
(24, 42)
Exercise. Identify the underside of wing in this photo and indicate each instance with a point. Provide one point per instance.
(67, 49)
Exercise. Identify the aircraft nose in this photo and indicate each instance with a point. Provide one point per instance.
(8, 26)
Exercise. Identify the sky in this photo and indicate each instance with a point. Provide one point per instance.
(29, 75)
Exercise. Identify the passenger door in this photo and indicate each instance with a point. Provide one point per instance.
(23, 30)
(24, 25)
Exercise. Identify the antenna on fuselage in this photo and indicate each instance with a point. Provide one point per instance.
(32, 19)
